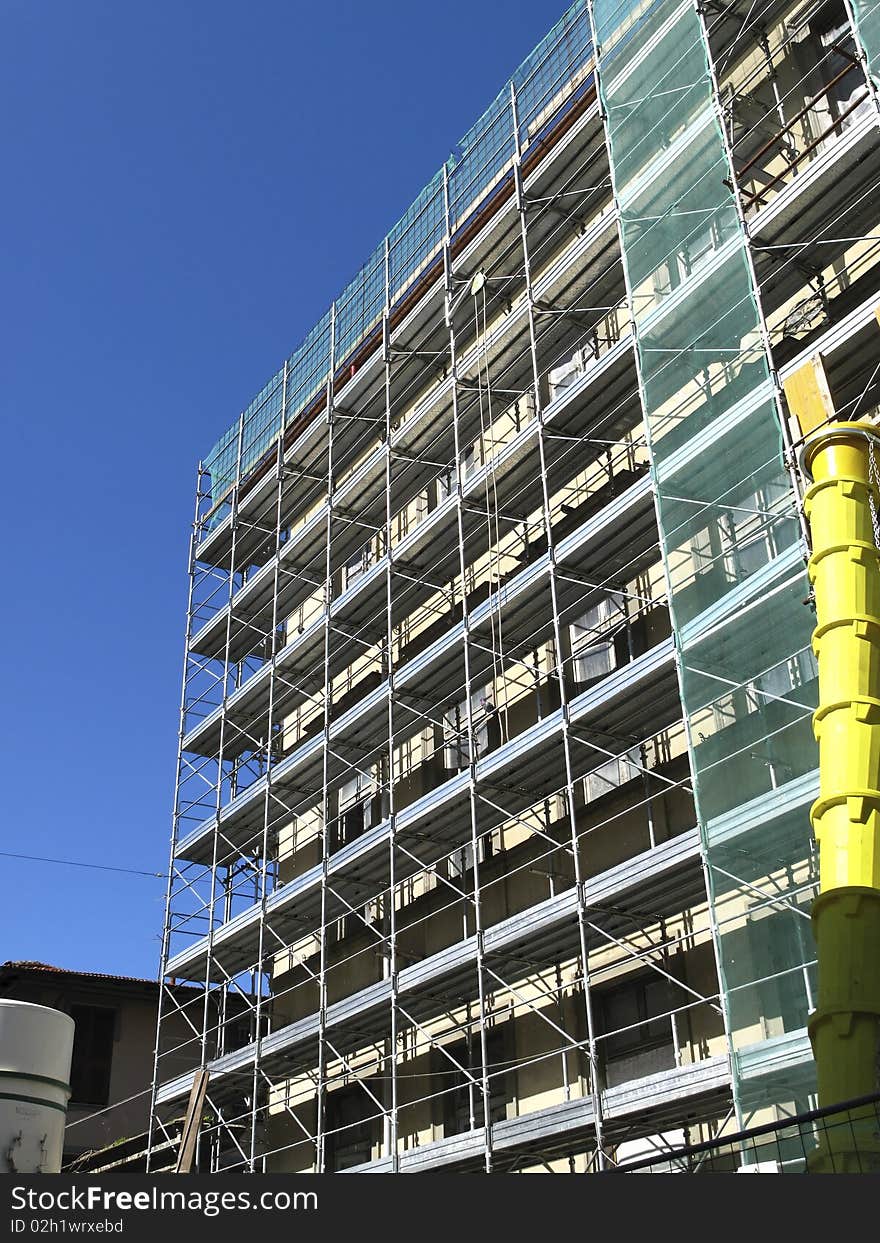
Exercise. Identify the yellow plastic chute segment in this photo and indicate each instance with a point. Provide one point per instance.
(845, 573)
(844, 569)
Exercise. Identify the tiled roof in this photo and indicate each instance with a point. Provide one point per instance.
(37, 967)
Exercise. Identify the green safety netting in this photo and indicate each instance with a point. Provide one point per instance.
(552, 74)
(866, 16)
(728, 525)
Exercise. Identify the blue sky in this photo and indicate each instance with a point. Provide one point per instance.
(186, 186)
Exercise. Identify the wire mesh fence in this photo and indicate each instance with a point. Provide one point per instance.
(843, 1138)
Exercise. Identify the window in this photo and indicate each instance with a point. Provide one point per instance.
(748, 535)
(592, 641)
(742, 538)
(356, 566)
(446, 481)
(695, 250)
(349, 1128)
(562, 377)
(414, 751)
(613, 773)
(354, 809)
(92, 1054)
(688, 256)
(460, 862)
(444, 486)
(638, 1043)
(837, 63)
(462, 1097)
(701, 550)
(781, 681)
(411, 515)
(469, 461)
(456, 748)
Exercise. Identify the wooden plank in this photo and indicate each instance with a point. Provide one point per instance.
(192, 1121)
(809, 396)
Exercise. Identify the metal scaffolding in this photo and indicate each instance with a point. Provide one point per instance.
(491, 846)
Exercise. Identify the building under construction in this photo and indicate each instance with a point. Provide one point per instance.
(492, 844)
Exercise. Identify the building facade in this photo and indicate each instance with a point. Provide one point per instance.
(491, 847)
(113, 1049)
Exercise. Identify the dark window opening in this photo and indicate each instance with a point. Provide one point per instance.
(354, 821)
(462, 1093)
(92, 1054)
(349, 1128)
(640, 1041)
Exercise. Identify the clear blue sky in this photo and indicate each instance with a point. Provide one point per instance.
(185, 187)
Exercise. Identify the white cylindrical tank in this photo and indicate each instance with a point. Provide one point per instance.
(36, 1045)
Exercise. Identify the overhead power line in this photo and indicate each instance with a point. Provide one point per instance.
(75, 863)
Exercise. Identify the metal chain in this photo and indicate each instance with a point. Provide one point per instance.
(874, 489)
